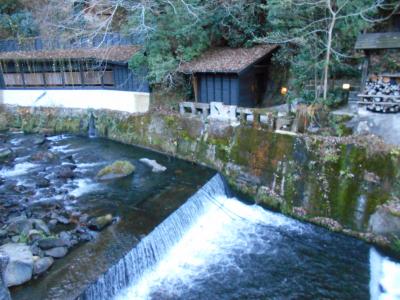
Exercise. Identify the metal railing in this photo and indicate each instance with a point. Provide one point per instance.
(40, 44)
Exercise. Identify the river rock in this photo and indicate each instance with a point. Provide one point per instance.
(5, 153)
(41, 265)
(4, 293)
(65, 172)
(49, 243)
(118, 169)
(43, 156)
(34, 235)
(42, 182)
(20, 267)
(39, 140)
(384, 222)
(3, 233)
(19, 225)
(57, 252)
(66, 238)
(156, 167)
(36, 251)
(100, 223)
(40, 225)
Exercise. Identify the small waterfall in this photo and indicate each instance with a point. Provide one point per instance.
(92, 126)
(152, 248)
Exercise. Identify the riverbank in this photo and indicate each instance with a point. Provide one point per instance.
(62, 226)
(345, 184)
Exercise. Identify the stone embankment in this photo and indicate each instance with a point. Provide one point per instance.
(336, 182)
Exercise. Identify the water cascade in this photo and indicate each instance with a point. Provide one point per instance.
(153, 247)
(216, 245)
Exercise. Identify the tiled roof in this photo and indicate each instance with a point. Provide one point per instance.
(226, 60)
(384, 40)
(114, 54)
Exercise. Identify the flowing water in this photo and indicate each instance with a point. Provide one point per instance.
(171, 245)
(140, 201)
(216, 247)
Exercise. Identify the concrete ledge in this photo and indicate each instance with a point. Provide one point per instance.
(131, 102)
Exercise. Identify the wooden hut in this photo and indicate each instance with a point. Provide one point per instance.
(234, 76)
(95, 68)
(382, 53)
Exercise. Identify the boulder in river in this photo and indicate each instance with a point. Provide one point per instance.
(20, 266)
(40, 225)
(42, 182)
(4, 293)
(39, 140)
(120, 168)
(5, 153)
(100, 223)
(156, 167)
(56, 252)
(49, 243)
(19, 225)
(41, 265)
(65, 172)
(44, 156)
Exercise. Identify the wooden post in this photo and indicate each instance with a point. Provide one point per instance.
(195, 88)
(364, 72)
(80, 64)
(22, 74)
(44, 74)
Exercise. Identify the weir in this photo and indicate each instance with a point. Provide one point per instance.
(151, 249)
(217, 245)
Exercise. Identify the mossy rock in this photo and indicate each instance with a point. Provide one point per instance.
(119, 169)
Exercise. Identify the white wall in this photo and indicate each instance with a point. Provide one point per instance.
(132, 102)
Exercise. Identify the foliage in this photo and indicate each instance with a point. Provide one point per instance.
(16, 21)
(303, 28)
(180, 31)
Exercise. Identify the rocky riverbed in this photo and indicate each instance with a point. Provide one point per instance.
(53, 199)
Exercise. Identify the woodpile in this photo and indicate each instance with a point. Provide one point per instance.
(382, 94)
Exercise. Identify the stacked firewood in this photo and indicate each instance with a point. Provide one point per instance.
(381, 92)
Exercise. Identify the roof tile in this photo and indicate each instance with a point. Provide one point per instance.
(226, 60)
(114, 53)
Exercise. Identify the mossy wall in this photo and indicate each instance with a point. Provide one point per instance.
(310, 178)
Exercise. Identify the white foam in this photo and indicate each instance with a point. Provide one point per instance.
(89, 165)
(64, 149)
(385, 277)
(57, 138)
(213, 239)
(22, 158)
(16, 141)
(85, 186)
(17, 170)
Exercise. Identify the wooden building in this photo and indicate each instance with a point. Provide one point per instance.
(381, 48)
(95, 68)
(234, 76)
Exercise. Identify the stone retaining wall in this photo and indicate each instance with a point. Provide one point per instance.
(335, 182)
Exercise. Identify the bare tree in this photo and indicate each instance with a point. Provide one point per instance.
(319, 26)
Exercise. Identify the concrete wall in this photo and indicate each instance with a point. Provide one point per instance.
(131, 102)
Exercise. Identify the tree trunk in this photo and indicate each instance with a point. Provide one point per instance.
(328, 55)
